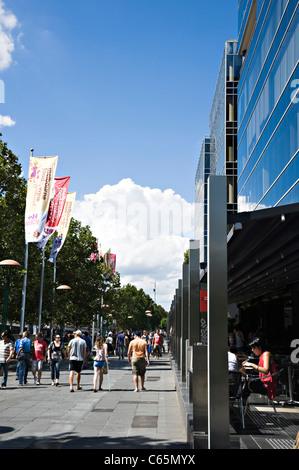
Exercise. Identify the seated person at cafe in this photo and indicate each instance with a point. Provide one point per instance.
(265, 367)
(233, 361)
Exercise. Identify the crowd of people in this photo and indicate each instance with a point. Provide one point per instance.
(78, 349)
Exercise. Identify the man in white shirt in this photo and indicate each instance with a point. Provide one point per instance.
(76, 354)
(6, 354)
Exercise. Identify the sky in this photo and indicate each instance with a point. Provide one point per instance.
(121, 91)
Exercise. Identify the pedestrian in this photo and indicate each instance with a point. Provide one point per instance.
(76, 354)
(38, 357)
(100, 361)
(6, 354)
(88, 342)
(139, 352)
(56, 353)
(126, 342)
(120, 344)
(109, 342)
(150, 343)
(157, 344)
(16, 350)
(23, 358)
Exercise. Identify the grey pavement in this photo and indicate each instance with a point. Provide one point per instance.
(47, 417)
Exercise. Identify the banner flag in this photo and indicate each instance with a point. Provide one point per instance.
(63, 226)
(56, 207)
(39, 188)
(113, 262)
(94, 255)
(104, 254)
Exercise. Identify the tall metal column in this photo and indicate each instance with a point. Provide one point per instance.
(184, 319)
(194, 317)
(178, 326)
(218, 400)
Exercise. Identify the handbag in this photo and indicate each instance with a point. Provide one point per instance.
(105, 369)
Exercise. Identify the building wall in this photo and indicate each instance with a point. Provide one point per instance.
(224, 120)
(205, 166)
(268, 108)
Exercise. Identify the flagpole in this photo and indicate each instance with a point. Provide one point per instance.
(53, 300)
(41, 291)
(25, 277)
(24, 289)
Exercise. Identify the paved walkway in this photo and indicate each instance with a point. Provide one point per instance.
(47, 417)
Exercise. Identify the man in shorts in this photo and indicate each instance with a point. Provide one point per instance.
(38, 357)
(139, 352)
(76, 354)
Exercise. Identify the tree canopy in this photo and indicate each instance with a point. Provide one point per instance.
(92, 285)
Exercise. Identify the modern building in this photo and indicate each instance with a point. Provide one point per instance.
(224, 121)
(253, 255)
(268, 104)
(218, 153)
(206, 166)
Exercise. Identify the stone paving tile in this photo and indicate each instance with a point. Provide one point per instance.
(53, 418)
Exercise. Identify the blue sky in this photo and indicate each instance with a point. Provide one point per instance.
(120, 90)
(116, 88)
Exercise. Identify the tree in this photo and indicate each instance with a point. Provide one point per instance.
(92, 285)
(87, 278)
(129, 301)
(12, 232)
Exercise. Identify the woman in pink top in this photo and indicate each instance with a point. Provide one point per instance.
(266, 367)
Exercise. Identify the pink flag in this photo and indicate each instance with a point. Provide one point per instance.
(56, 207)
(113, 262)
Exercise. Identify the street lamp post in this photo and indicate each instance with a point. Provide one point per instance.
(8, 264)
(62, 287)
(155, 291)
(148, 313)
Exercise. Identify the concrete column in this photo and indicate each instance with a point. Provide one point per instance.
(184, 318)
(200, 397)
(194, 311)
(218, 402)
(178, 324)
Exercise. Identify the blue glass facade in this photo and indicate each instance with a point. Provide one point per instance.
(206, 166)
(224, 120)
(268, 107)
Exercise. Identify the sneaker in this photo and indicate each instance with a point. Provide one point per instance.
(3, 386)
(37, 382)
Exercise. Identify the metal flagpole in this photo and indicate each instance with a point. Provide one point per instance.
(53, 299)
(25, 278)
(24, 289)
(41, 291)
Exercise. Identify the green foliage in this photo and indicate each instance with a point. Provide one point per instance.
(186, 257)
(129, 301)
(92, 286)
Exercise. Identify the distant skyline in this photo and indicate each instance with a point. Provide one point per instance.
(121, 91)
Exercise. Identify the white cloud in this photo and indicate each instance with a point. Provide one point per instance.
(8, 22)
(6, 121)
(148, 230)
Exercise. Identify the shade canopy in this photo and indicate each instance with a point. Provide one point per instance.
(263, 253)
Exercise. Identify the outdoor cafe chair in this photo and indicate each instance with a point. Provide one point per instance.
(269, 400)
(235, 392)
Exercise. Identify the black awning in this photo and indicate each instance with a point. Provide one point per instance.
(263, 253)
